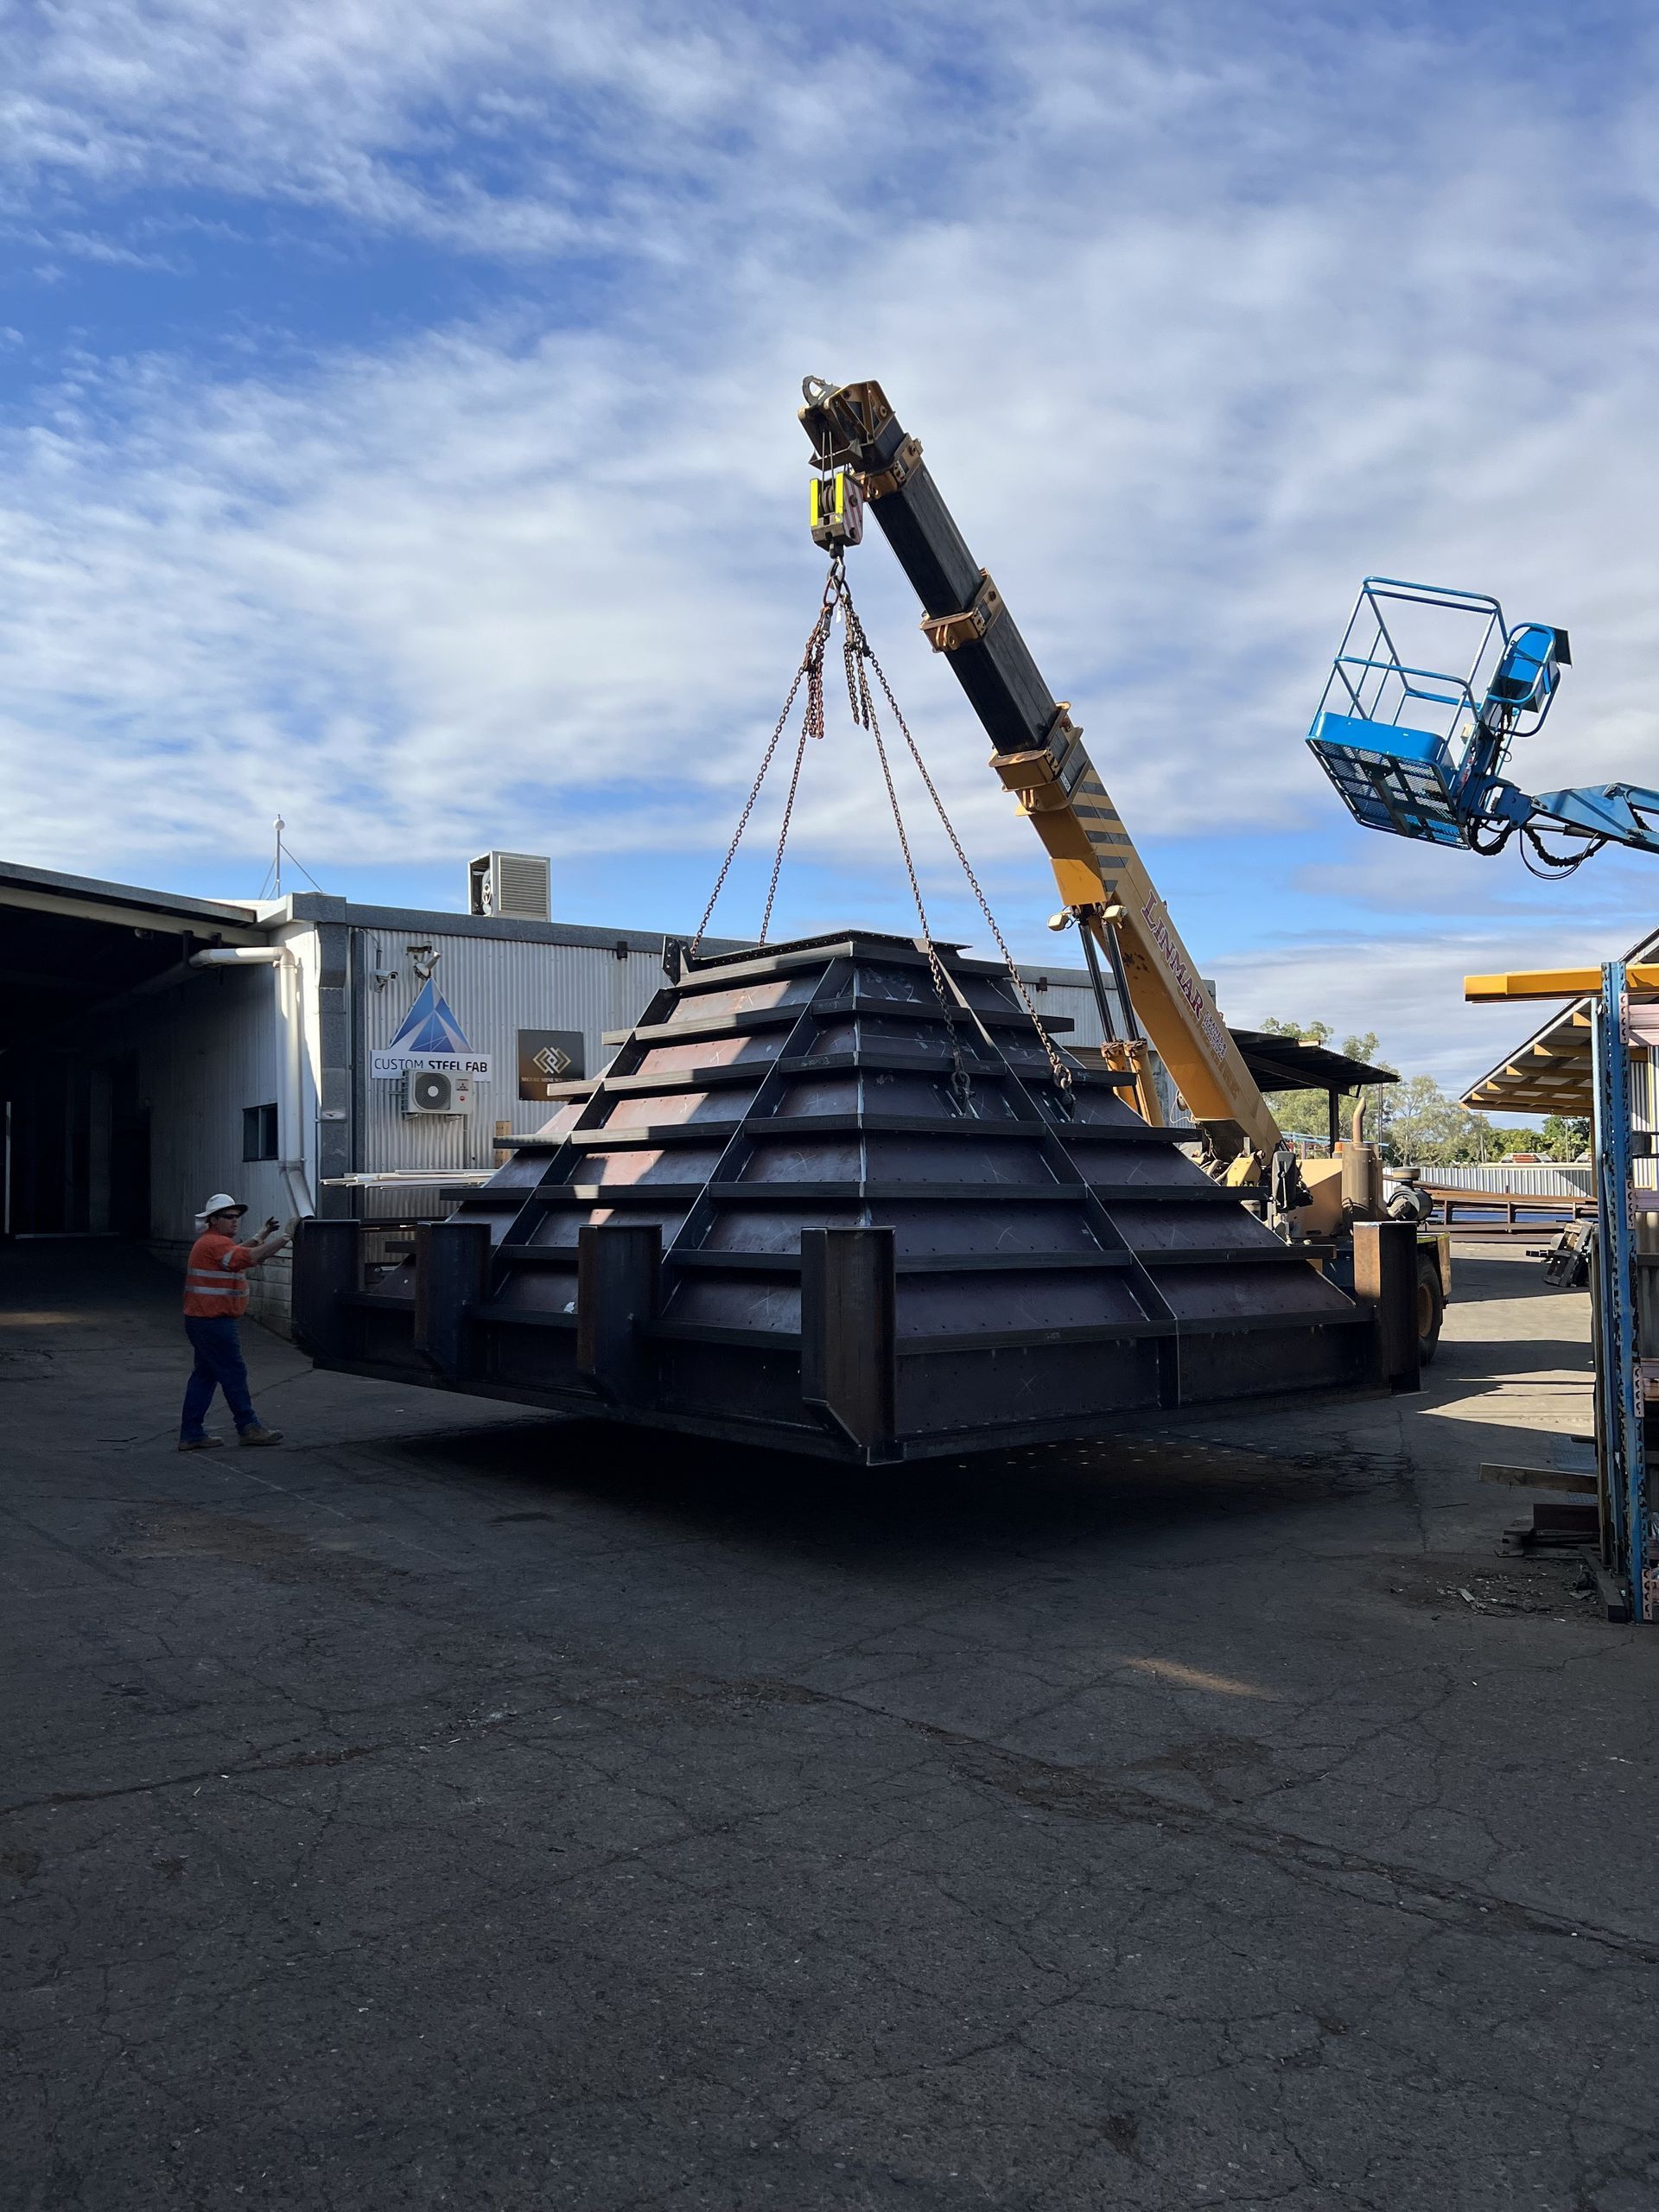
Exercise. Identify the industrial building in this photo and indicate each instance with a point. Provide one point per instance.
(158, 1047)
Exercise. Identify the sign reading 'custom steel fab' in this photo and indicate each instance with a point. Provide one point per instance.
(430, 1041)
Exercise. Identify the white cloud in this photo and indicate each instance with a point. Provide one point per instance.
(1408, 923)
(1409, 991)
(1192, 341)
(504, 126)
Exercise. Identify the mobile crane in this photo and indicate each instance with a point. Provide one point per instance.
(864, 458)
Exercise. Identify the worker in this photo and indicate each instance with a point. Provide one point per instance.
(215, 1297)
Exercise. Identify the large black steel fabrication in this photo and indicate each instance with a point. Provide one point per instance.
(831, 1198)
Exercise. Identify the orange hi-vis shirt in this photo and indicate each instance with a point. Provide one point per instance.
(215, 1278)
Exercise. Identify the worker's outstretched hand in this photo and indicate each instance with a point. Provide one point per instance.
(270, 1228)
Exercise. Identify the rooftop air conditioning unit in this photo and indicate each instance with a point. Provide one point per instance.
(516, 886)
(429, 1091)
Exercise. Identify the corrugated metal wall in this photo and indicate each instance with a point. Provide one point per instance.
(1540, 1182)
(271, 1294)
(213, 1044)
(494, 988)
(205, 1049)
(497, 987)
(1074, 1001)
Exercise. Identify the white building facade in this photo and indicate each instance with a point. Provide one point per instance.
(172, 1047)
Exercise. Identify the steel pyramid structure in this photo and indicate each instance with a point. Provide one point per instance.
(775, 1218)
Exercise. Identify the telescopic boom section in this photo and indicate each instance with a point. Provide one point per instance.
(1039, 754)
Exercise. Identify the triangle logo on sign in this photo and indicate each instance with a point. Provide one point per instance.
(429, 1025)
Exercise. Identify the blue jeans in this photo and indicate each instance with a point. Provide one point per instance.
(218, 1367)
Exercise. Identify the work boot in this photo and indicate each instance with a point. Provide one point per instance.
(201, 1443)
(259, 1434)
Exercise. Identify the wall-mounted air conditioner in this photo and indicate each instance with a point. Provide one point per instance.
(517, 886)
(429, 1091)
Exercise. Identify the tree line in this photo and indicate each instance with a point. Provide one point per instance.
(1413, 1121)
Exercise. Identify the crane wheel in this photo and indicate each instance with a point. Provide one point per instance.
(1430, 1307)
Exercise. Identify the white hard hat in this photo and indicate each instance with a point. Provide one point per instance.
(221, 1202)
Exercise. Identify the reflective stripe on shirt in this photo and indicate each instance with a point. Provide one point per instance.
(212, 1289)
(215, 1277)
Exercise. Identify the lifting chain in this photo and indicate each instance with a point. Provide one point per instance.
(856, 650)
(811, 725)
(859, 659)
(857, 646)
(810, 672)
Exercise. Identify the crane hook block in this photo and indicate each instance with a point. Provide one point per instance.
(837, 510)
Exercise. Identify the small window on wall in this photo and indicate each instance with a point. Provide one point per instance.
(259, 1133)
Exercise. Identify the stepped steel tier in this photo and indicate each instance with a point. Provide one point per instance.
(774, 1218)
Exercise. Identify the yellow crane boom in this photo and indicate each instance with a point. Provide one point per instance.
(864, 455)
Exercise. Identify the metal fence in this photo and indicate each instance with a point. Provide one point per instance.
(1507, 1179)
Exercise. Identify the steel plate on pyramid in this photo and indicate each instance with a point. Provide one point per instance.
(775, 1218)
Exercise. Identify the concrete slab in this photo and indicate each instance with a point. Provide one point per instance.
(456, 1808)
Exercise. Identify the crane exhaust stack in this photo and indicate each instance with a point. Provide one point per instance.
(779, 1218)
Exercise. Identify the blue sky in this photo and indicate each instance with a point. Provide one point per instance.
(397, 431)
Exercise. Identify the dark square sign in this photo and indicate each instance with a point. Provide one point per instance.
(546, 1057)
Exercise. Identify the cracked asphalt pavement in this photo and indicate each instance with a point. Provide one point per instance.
(458, 1808)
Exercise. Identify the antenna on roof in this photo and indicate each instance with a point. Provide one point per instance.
(273, 875)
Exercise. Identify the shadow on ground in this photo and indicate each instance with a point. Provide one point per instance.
(1081, 1495)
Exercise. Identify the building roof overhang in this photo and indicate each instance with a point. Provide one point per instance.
(1286, 1064)
(84, 898)
(1551, 1072)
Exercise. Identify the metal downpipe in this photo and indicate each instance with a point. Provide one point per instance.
(290, 1010)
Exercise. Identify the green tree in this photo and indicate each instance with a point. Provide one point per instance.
(1425, 1129)
(1565, 1135)
(1414, 1122)
(1306, 1113)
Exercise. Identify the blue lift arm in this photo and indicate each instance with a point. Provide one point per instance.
(1417, 747)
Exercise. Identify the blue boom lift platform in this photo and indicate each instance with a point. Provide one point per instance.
(1427, 692)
